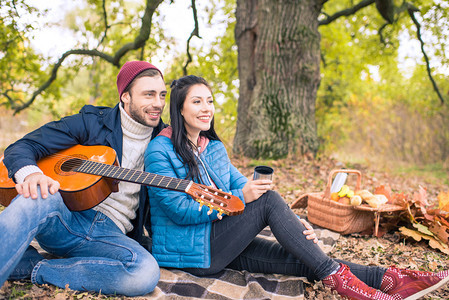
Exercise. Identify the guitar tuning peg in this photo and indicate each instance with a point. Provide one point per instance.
(219, 216)
(201, 204)
(210, 211)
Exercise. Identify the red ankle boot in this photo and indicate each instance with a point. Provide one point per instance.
(349, 286)
(405, 284)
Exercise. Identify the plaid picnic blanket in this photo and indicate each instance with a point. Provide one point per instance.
(231, 284)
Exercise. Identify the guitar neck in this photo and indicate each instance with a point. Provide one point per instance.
(134, 176)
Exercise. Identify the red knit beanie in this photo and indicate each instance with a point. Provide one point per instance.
(129, 71)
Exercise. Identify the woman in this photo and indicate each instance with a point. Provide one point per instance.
(190, 238)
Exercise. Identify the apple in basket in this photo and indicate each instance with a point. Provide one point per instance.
(344, 200)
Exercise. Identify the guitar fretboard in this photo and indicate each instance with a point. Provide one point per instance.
(134, 176)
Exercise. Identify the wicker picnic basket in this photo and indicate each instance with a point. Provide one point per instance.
(339, 217)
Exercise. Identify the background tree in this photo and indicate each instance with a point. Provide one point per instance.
(279, 60)
(371, 107)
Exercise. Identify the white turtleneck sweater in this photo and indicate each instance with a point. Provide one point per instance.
(121, 207)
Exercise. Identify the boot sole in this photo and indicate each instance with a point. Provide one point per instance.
(428, 290)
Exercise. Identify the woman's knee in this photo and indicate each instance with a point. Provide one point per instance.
(273, 197)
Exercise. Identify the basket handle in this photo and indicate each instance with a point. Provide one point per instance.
(327, 191)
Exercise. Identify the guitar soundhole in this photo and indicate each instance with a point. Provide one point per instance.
(68, 165)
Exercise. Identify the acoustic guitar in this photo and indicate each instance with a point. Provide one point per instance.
(88, 175)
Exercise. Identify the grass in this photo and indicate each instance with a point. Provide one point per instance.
(436, 173)
(20, 291)
(433, 173)
(260, 162)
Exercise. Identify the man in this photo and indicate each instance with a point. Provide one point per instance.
(97, 255)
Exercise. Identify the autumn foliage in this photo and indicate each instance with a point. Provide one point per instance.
(419, 220)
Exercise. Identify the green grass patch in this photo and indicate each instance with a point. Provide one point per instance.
(432, 173)
(260, 162)
(20, 291)
(435, 173)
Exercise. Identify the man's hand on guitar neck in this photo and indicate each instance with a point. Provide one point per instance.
(29, 186)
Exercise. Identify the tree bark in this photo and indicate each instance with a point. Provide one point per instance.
(278, 61)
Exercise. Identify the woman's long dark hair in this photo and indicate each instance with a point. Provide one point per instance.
(183, 146)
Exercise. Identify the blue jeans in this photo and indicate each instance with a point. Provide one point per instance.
(95, 254)
(234, 245)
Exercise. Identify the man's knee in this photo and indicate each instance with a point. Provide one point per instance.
(145, 278)
(54, 201)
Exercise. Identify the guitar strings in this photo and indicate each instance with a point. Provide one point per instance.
(162, 180)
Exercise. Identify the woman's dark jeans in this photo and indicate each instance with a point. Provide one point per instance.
(234, 245)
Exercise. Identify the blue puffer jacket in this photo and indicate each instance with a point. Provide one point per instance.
(180, 232)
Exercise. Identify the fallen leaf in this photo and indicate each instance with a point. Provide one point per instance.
(437, 245)
(423, 229)
(442, 220)
(384, 190)
(399, 199)
(60, 296)
(412, 263)
(441, 232)
(443, 201)
(420, 198)
(433, 266)
(416, 235)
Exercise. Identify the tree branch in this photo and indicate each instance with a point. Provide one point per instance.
(346, 12)
(106, 26)
(411, 12)
(381, 35)
(54, 72)
(10, 100)
(195, 32)
(139, 42)
(144, 32)
(386, 10)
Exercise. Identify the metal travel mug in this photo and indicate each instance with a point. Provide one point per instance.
(263, 172)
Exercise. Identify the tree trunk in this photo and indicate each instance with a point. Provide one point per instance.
(278, 62)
